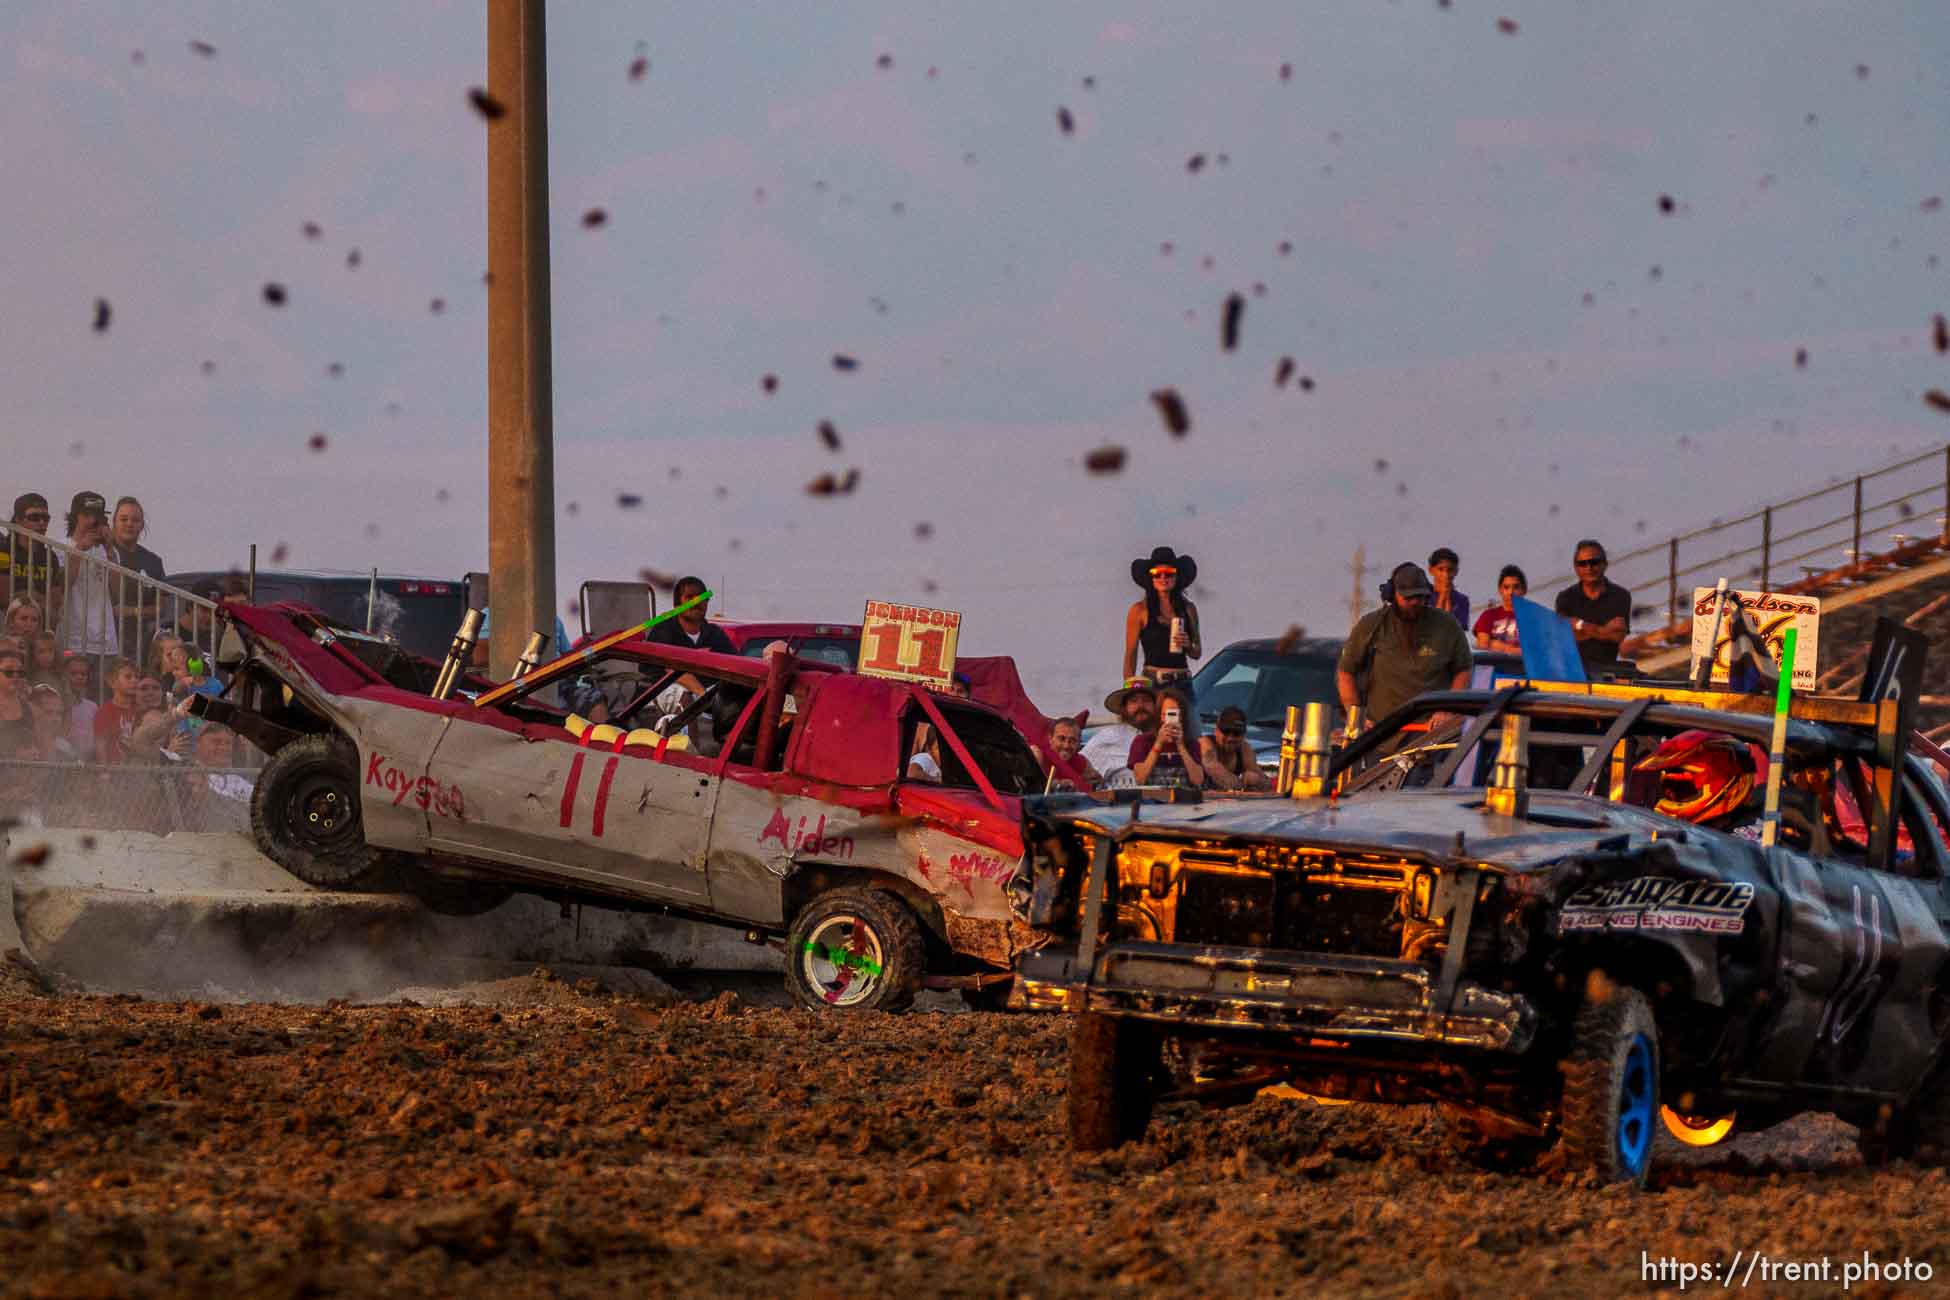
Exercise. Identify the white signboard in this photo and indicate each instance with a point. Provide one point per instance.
(1773, 614)
(909, 643)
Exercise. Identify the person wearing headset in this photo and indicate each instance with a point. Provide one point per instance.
(1399, 650)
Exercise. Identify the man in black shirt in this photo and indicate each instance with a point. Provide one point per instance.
(1599, 609)
(690, 628)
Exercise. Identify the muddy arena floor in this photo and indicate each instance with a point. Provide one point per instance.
(545, 1138)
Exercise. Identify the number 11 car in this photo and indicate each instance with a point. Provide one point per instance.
(775, 800)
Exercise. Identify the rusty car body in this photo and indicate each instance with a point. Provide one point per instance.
(777, 801)
(1560, 962)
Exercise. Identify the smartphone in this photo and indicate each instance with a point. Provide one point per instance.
(1171, 715)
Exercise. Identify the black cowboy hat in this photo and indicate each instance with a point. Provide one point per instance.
(1187, 567)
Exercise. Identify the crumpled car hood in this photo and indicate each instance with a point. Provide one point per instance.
(1412, 823)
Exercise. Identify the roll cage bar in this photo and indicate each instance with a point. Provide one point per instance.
(1865, 729)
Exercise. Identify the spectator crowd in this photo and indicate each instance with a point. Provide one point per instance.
(1422, 637)
(88, 673)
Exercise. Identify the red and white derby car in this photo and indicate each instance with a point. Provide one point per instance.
(776, 800)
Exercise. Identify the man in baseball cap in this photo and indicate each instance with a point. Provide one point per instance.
(87, 503)
(1400, 650)
(88, 613)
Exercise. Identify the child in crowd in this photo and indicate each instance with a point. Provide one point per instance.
(44, 662)
(115, 722)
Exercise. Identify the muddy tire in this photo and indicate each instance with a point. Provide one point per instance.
(1611, 1085)
(305, 815)
(855, 949)
(1929, 1120)
(1919, 1131)
(1112, 1060)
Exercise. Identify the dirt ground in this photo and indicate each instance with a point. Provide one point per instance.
(563, 1141)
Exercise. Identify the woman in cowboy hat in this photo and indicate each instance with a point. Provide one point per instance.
(1164, 623)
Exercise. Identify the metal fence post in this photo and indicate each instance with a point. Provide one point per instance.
(1672, 582)
(1766, 544)
(1946, 495)
(1858, 520)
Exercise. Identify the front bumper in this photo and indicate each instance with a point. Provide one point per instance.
(1321, 994)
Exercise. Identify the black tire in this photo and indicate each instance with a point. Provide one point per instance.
(1112, 1060)
(449, 895)
(1611, 1084)
(1929, 1118)
(855, 949)
(1919, 1131)
(305, 815)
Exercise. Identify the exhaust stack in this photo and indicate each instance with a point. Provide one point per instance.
(1311, 758)
(1509, 792)
(1289, 749)
(458, 654)
(531, 654)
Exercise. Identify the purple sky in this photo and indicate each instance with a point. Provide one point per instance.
(1450, 193)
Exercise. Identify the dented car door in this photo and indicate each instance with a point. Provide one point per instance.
(614, 816)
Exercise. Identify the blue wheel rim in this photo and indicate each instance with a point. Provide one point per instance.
(1636, 1104)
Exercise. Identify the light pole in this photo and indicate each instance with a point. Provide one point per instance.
(521, 427)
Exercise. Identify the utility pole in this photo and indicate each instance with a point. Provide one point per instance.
(521, 426)
(1358, 597)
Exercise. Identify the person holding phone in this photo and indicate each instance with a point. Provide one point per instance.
(1169, 755)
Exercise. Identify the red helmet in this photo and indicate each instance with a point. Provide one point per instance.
(1705, 775)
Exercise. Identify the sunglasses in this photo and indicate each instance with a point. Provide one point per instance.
(1595, 563)
(1234, 732)
(1164, 573)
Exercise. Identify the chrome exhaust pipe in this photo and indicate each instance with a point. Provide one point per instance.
(458, 654)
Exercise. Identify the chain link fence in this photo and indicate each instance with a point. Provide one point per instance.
(138, 797)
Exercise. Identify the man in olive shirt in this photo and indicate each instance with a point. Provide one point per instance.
(1404, 648)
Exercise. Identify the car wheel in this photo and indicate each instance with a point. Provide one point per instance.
(305, 814)
(1919, 1131)
(1112, 1060)
(450, 895)
(1929, 1119)
(1611, 1084)
(855, 949)
(1698, 1130)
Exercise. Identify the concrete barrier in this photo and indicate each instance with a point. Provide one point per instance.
(10, 939)
(206, 915)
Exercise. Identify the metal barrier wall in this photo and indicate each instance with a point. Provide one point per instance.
(142, 607)
(133, 797)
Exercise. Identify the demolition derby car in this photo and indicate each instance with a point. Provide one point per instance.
(775, 798)
(1561, 956)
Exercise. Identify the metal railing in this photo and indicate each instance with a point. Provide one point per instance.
(73, 585)
(1902, 508)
